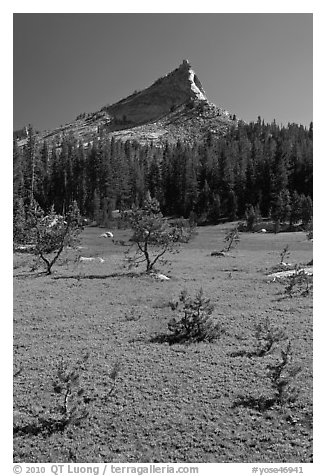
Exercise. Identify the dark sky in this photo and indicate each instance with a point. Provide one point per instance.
(250, 64)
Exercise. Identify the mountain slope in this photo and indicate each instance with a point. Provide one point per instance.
(174, 107)
(156, 101)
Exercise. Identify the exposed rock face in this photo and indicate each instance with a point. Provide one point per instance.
(174, 107)
(162, 97)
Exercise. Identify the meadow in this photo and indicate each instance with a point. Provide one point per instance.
(170, 403)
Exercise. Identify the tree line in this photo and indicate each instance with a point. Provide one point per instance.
(265, 168)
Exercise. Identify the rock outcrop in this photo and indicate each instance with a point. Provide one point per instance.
(174, 107)
(161, 98)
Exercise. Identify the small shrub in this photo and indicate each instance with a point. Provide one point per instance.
(266, 336)
(300, 282)
(72, 408)
(282, 265)
(67, 383)
(281, 375)
(196, 324)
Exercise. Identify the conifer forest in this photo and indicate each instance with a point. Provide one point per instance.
(264, 166)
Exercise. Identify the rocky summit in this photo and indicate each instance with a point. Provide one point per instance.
(174, 107)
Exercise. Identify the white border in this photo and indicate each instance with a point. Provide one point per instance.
(276, 6)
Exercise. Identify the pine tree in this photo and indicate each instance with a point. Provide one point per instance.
(19, 225)
(232, 205)
(80, 180)
(191, 187)
(152, 234)
(19, 191)
(57, 181)
(280, 209)
(306, 210)
(44, 186)
(204, 201)
(286, 208)
(154, 180)
(296, 208)
(134, 190)
(29, 160)
(251, 217)
(215, 209)
(276, 212)
(310, 133)
(97, 215)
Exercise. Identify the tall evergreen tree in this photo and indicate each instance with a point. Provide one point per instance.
(19, 191)
(296, 208)
(191, 187)
(306, 210)
(232, 205)
(29, 160)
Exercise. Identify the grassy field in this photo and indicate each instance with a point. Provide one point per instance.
(171, 403)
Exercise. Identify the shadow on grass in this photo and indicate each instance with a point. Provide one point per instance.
(167, 339)
(247, 353)
(78, 277)
(183, 338)
(31, 274)
(102, 276)
(260, 403)
(161, 339)
(44, 426)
